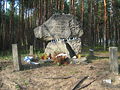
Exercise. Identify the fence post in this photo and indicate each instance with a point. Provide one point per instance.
(16, 59)
(114, 68)
(31, 50)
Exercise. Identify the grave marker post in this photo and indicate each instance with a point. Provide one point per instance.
(16, 59)
(114, 68)
(31, 50)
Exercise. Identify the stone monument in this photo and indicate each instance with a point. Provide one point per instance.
(63, 33)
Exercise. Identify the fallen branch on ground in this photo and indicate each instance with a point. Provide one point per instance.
(86, 85)
(79, 82)
(58, 77)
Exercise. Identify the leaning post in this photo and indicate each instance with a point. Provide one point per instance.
(16, 59)
(114, 67)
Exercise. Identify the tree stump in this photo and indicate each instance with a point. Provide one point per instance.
(31, 50)
(114, 68)
(16, 59)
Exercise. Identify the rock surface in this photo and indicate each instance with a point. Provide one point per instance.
(59, 26)
(57, 47)
(75, 45)
(63, 31)
(70, 47)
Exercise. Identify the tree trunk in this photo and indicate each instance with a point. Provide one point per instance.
(51, 8)
(105, 24)
(0, 26)
(72, 7)
(90, 22)
(82, 13)
(97, 23)
(47, 9)
(12, 22)
(22, 24)
(40, 12)
(3, 26)
(94, 23)
(114, 23)
(62, 6)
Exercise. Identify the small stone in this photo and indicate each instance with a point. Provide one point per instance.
(109, 81)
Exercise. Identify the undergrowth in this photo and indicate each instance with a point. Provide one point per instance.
(8, 54)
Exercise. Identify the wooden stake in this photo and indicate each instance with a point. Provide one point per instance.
(16, 59)
(113, 60)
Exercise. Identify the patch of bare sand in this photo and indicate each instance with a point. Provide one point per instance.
(34, 79)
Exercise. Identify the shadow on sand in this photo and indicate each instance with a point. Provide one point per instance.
(33, 66)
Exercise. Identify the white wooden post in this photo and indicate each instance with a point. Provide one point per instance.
(16, 59)
(31, 50)
(114, 68)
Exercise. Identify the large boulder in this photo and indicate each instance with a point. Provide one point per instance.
(63, 32)
(59, 26)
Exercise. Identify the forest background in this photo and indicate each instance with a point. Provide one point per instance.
(100, 20)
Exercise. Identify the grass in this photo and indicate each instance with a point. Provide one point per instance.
(8, 55)
(5, 57)
(17, 87)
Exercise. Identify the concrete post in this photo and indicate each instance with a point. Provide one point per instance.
(114, 68)
(31, 50)
(16, 59)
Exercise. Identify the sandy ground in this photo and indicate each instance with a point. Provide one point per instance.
(45, 77)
